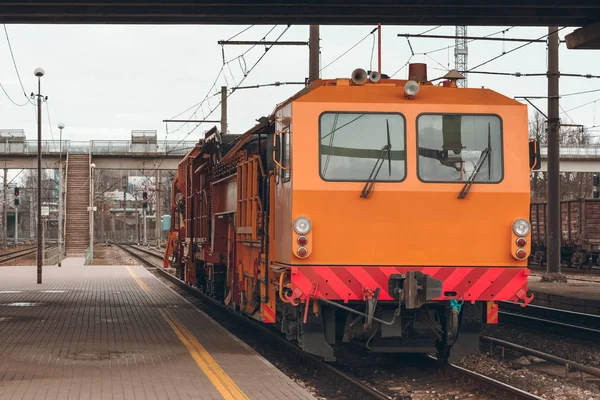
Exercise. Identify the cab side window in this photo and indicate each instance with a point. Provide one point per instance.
(285, 154)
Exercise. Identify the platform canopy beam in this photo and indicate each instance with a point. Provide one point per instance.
(587, 37)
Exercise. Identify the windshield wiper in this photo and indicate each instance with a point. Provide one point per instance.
(485, 154)
(387, 149)
(463, 193)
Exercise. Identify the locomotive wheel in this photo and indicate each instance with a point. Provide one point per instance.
(581, 260)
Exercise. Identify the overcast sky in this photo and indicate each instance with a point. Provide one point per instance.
(105, 80)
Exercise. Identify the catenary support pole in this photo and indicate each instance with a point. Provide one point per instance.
(39, 181)
(61, 126)
(223, 110)
(313, 54)
(379, 49)
(554, 224)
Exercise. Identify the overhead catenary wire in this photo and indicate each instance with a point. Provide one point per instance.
(11, 99)
(503, 31)
(568, 116)
(582, 105)
(504, 53)
(413, 54)
(211, 111)
(344, 53)
(50, 124)
(581, 92)
(240, 32)
(531, 74)
(12, 55)
(222, 72)
(372, 52)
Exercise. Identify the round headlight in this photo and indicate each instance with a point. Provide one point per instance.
(411, 88)
(302, 225)
(521, 227)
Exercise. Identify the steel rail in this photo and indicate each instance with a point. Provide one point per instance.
(16, 251)
(508, 392)
(563, 319)
(570, 365)
(16, 254)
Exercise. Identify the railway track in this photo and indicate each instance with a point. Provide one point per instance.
(561, 321)
(13, 255)
(365, 391)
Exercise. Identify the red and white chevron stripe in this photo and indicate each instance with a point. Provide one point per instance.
(469, 283)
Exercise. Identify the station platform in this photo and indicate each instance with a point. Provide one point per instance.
(117, 332)
(578, 296)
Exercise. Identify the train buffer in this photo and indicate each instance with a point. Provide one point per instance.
(117, 332)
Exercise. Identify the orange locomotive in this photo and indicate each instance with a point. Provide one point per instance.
(388, 213)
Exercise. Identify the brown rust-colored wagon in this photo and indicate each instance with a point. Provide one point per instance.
(580, 228)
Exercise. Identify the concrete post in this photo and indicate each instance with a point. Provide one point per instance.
(124, 216)
(4, 208)
(60, 211)
(158, 196)
(102, 237)
(44, 220)
(137, 220)
(144, 225)
(32, 218)
(16, 225)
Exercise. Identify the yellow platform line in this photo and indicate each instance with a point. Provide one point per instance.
(140, 282)
(213, 371)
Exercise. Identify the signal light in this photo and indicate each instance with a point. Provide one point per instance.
(16, 191)
(302, 240)
(302, 252)
(521, 242)
(521, 254)
(596, 180)
(596, 194)
(145, 195)
(16, 202)
(145, 205)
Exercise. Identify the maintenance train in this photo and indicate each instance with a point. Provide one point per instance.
(388, 213)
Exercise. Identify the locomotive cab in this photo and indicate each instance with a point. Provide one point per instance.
(413, 209)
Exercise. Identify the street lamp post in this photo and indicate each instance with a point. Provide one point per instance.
(92, 167)
(39, 72)
(61, 126)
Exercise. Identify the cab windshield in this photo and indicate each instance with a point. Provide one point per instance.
(350, 145)
(451, 147)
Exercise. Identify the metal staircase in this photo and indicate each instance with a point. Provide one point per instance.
(77, 224)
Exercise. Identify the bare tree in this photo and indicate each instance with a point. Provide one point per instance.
(572, 185)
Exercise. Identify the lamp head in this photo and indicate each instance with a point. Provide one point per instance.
(61, 126)
(39, 72)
